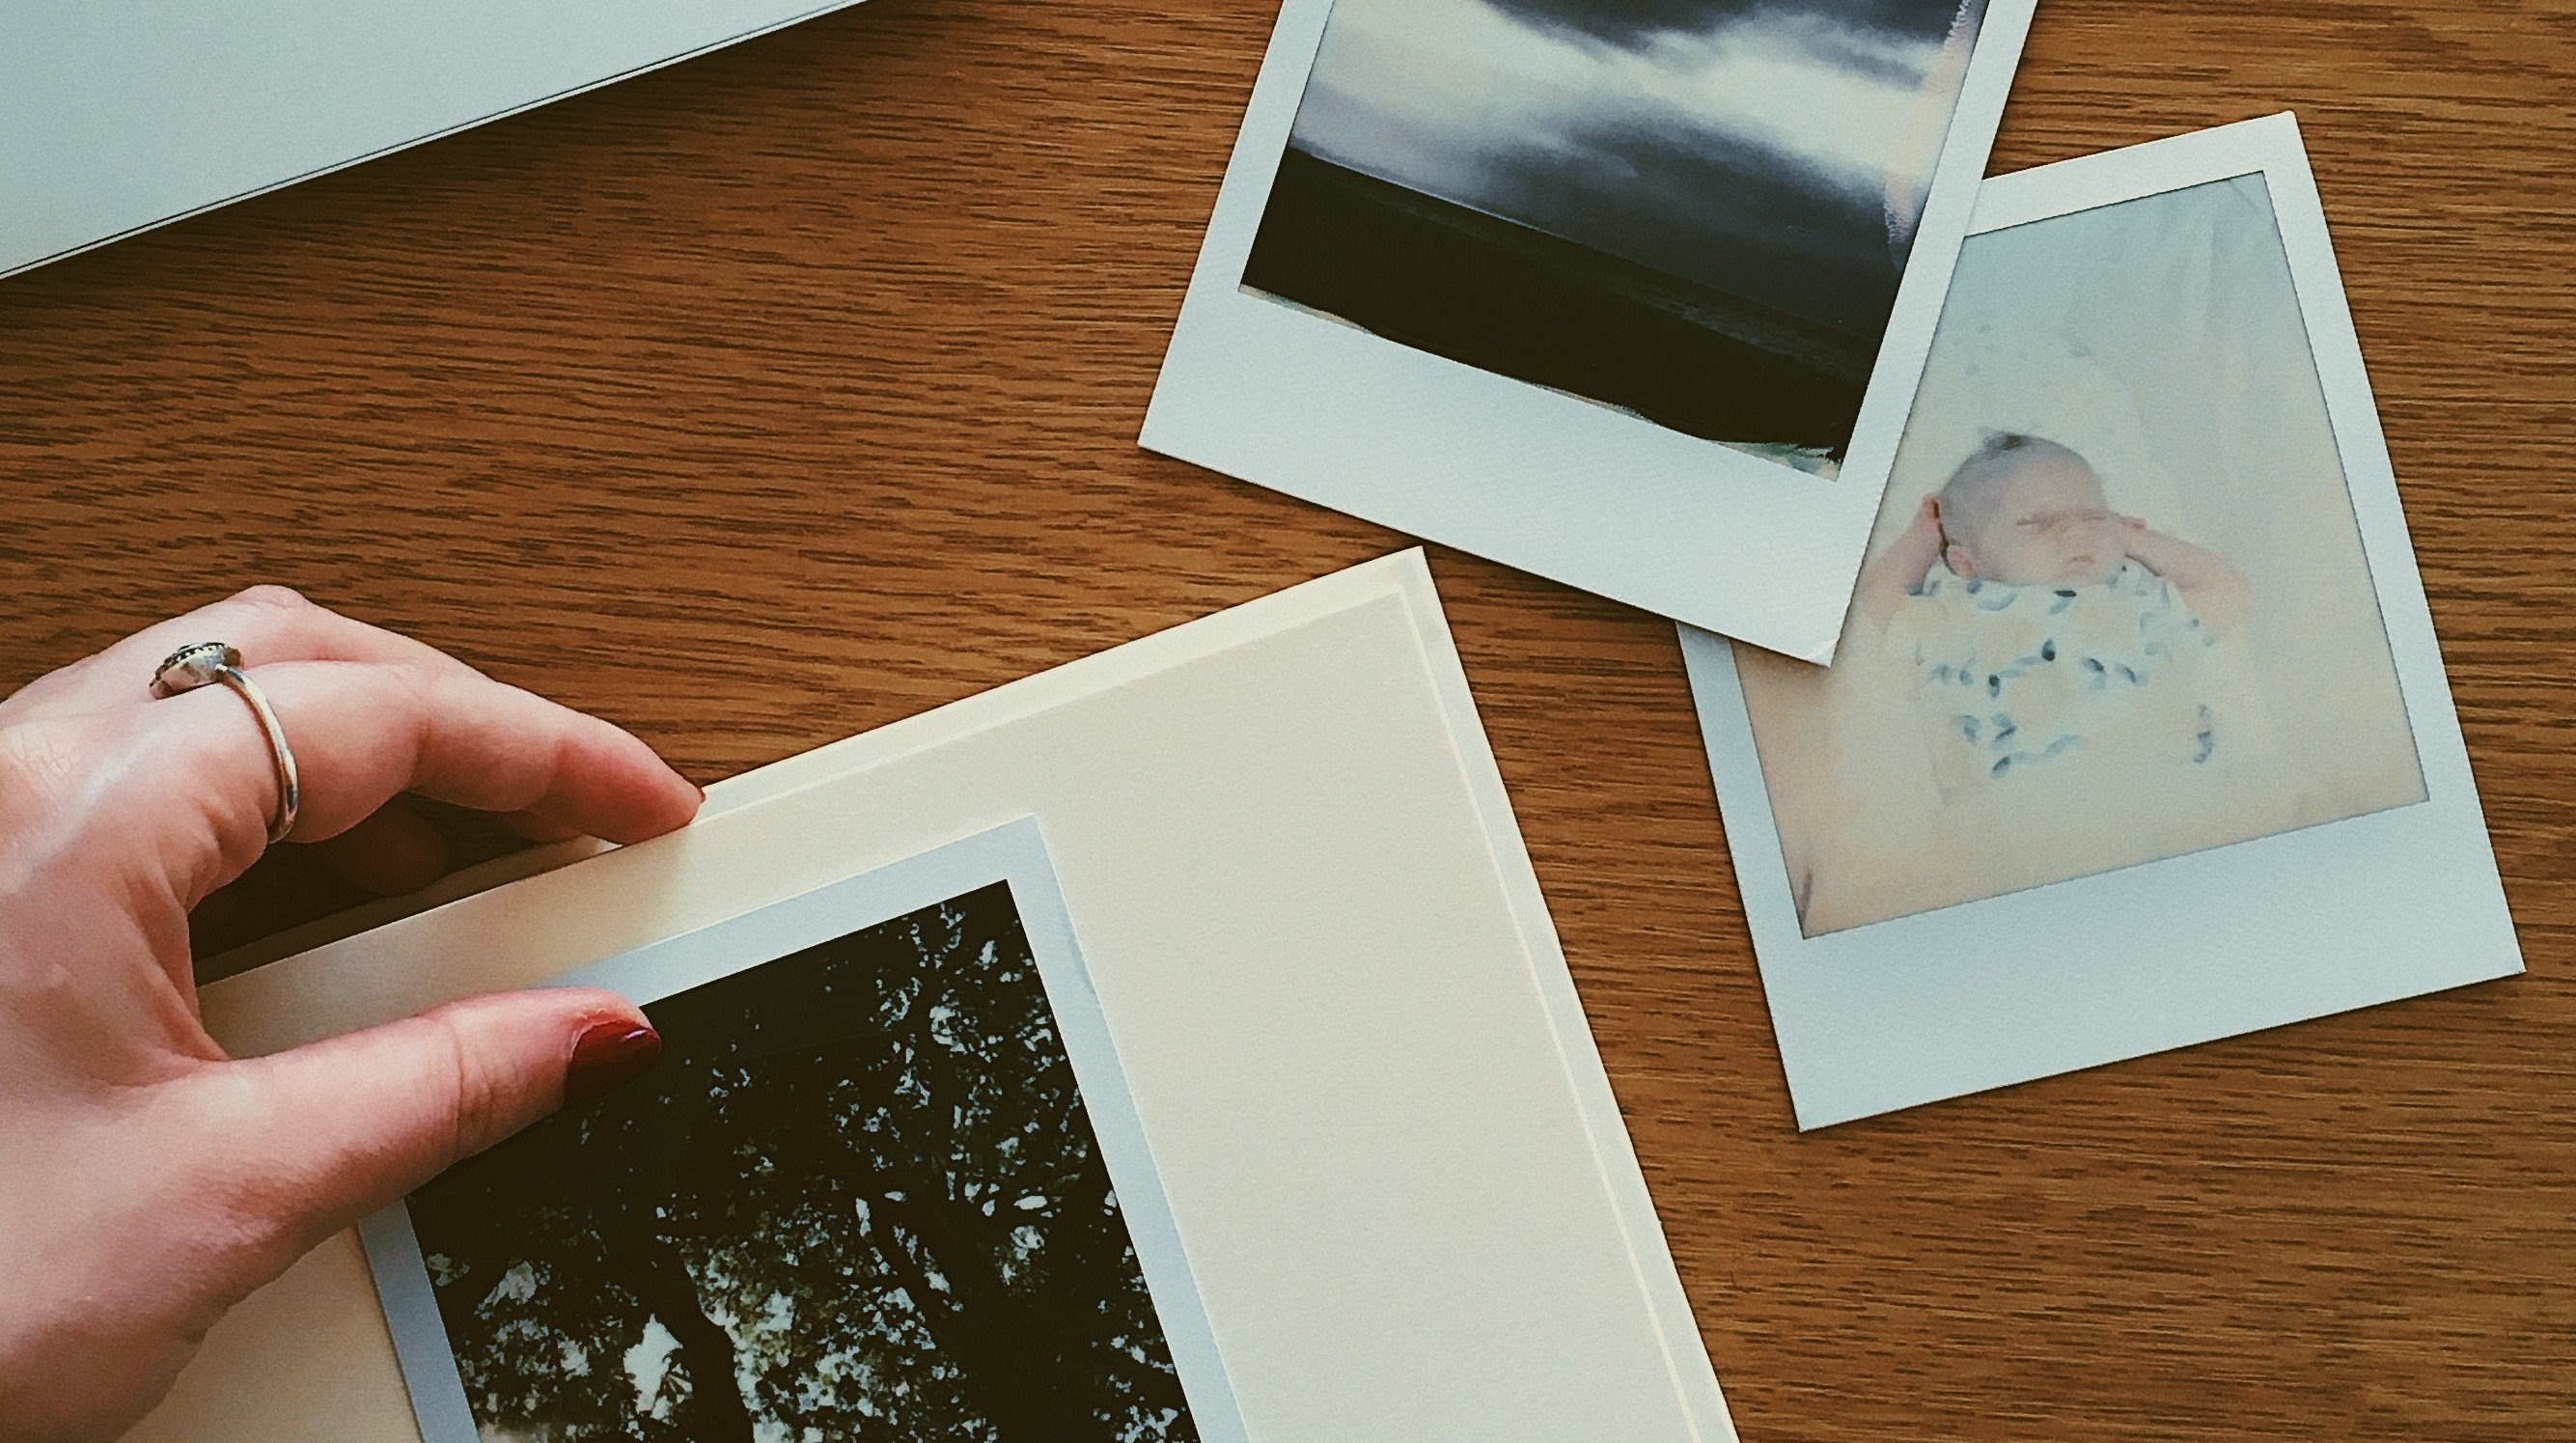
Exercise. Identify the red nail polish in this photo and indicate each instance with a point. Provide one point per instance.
(607, 1056)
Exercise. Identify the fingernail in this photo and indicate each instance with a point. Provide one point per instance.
(607, 1056)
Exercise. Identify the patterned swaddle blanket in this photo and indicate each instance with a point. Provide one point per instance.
(2016, 679)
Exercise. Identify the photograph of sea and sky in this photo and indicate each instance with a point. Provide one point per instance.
(1694, 211)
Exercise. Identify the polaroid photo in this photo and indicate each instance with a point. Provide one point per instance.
(1631, 295)
(2139, 735)
(886, 1180)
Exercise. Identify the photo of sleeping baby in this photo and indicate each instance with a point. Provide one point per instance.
(2117, 608)
(2041, 621)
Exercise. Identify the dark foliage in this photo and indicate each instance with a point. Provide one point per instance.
(858, 1198)
(1635, 24)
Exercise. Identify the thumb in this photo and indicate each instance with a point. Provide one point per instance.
(327, 1133)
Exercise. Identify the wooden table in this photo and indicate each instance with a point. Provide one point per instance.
(794, 390)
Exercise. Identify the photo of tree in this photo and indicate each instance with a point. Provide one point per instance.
(858, 1198)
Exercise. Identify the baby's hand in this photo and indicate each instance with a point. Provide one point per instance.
(1899, 567)
(2216, 590)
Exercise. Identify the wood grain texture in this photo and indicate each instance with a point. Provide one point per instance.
(794, 390)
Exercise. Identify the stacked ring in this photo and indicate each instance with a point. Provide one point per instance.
(205, 663)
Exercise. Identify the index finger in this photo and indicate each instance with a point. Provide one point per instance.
(363, 732)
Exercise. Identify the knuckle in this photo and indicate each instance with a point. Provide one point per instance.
(413, 699)
(422, 687)
(270, 596)
(266, 618)
(476, 1083)
(40, 766)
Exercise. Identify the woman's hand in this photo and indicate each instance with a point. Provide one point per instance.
(147, 1182)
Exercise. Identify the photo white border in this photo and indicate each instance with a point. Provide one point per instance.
(1015, 854)
(1530, 477)
(2164, 954)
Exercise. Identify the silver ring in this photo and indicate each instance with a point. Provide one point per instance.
(207, 662)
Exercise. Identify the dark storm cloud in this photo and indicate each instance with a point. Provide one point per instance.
(1638, 22)
(1755, 146)
(1780, 237)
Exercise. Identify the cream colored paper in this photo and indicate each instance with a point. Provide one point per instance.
(1392, 1154)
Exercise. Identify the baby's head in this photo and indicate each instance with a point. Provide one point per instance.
(2030, 512)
